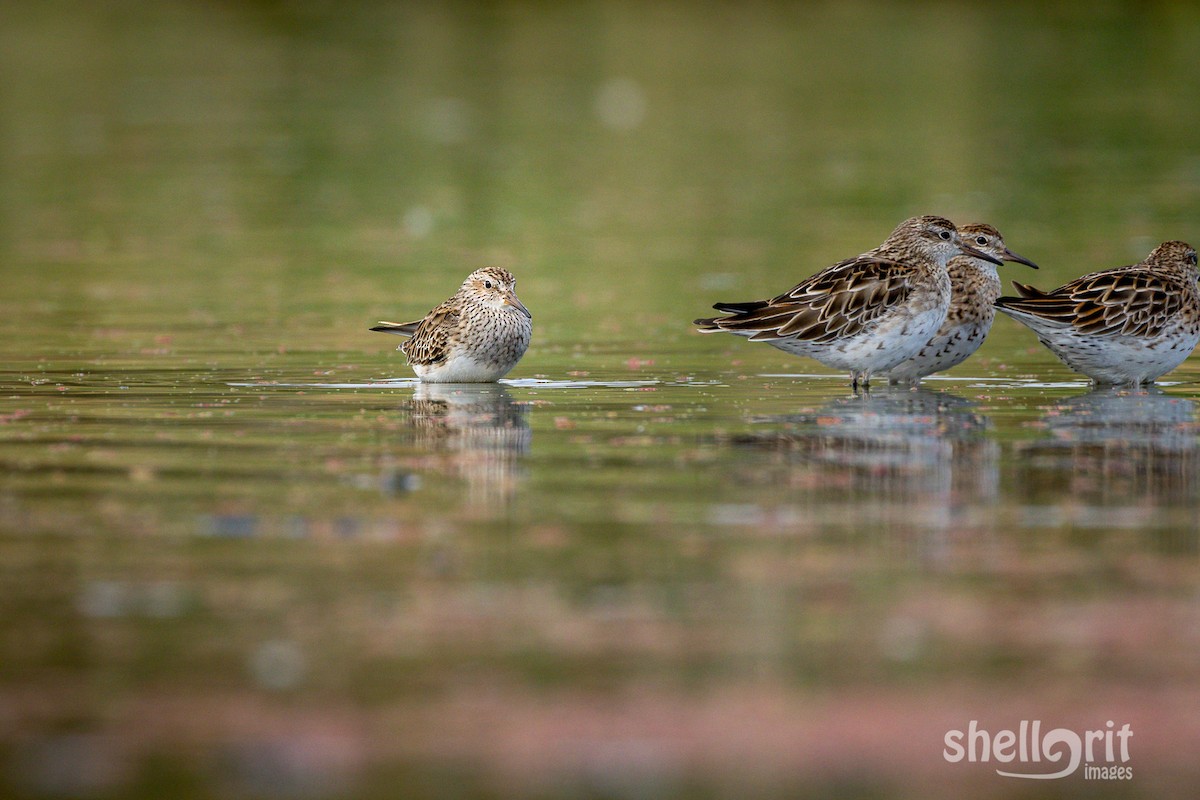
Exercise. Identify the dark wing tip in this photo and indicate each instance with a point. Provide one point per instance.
(739, 308)
(401, 328)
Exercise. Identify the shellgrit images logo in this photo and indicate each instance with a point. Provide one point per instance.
(1057, 753)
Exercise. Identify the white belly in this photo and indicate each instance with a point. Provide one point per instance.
(1120, 359)
(462, 369)
(949, 348)
(878, 349)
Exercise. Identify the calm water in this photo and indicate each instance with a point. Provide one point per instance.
(244, 554)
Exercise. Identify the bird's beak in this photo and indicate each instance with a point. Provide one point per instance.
(510, 299)
(971, 251)
(1009, 255)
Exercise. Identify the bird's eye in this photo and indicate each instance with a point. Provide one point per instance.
(944, 235)
(487, 284)
(1192, 258)
(981, 240)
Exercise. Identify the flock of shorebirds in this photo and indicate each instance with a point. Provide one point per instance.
(921, 302)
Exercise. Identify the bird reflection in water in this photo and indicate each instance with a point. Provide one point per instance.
(1113, 457)
(481, 432)
(896, 457)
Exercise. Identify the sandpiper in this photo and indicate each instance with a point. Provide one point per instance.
(866, 314)
(1128, 325)
(478, 335)
(974, 287)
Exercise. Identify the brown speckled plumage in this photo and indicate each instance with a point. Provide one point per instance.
(478, 334)
(865, 314)
(974, 285)
(1130, 324)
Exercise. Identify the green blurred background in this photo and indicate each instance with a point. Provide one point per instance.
(235, 564)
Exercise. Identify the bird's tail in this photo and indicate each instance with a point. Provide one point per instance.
(741, 308)
(712, 324)
(398, 328)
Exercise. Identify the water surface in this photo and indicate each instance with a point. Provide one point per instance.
(245, 554)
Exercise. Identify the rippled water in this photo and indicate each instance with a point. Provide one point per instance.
(245, 554)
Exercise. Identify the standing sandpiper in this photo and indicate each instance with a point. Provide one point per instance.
(1128, 325)
(476, 336)
(866, 314)
(974, 287)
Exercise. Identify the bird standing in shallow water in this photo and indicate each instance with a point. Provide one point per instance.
(1128, 325)
(866, 314)
(974, 287)
(476, 336)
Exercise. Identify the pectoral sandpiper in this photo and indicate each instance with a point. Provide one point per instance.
(866, 314)
(974, 287)
(1128, 325)
(477, 335)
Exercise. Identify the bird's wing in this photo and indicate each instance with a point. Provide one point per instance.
(431, 338)
(1126, 301)
(836, 302)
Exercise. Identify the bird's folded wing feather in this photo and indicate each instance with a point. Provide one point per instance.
(429, 342)
(839, 301)
(1130, 302)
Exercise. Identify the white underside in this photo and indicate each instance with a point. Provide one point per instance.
(947, 349)
(877, 350)
(1119, 359)
(1112, 359)
(462, 369)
